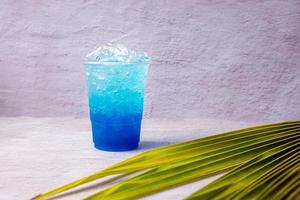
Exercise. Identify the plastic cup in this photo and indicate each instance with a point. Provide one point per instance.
(116, 98)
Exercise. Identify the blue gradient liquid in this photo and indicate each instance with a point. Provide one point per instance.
(116, 96)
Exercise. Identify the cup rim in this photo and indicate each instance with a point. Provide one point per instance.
(113, 62)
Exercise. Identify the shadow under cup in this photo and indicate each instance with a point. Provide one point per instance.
(116, 98)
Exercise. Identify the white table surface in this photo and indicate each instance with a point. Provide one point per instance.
(38, 154)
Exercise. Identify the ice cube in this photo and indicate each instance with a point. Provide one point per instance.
(116, 54)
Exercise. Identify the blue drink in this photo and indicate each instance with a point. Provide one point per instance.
(116, 96)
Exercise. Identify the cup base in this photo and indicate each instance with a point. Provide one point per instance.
(116, 137)
(112, 149)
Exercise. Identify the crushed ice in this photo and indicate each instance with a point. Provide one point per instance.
(116, 53)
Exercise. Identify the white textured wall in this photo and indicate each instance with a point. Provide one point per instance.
(237, 60)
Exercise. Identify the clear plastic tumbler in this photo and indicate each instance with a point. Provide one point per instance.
(116, 97)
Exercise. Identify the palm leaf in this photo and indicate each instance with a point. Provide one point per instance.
(245, 175)
(169, 176)
(188, 161)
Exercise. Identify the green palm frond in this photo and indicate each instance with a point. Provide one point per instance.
(249, 174)
(264, 162)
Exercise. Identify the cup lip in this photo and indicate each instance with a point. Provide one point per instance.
(114, 62)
